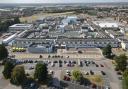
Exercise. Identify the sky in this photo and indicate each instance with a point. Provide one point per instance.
(59, 1)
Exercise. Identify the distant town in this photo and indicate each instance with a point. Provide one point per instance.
(64, 46)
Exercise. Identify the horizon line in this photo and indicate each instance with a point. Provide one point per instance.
(63, 2)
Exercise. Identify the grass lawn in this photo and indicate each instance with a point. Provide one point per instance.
(96, 79)
(41, 15)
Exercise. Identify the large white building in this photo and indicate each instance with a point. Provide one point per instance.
(20, 27)
(9, 39)
(106, 24)
(44, 27)
(124, 44)
(70, 20)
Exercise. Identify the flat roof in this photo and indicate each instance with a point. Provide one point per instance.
(106, 24)
(115, 33)
(21, 25)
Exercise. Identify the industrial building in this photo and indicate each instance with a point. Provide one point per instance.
(9, 39)
(106, 25)
(40, 48)
(70, 20)
(20, 27)
(114, 34)
(68, 32)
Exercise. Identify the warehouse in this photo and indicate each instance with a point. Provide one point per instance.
(106, 25)
(40, 48)
(20, 27)
(70, 20)
(9, 39)
(70, 42)
(124, 44)
(114, 34)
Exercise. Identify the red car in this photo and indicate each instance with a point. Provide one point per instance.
(93, 85)
(101, 65)
(66, 78)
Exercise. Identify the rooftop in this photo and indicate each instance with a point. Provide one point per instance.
(21, 25)
(104, 24)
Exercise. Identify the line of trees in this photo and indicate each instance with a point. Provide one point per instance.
(41, 73)
(5, 24)
(125, 79)
(107, 51)
(17, 76)
(16, 73)
(121, 64)
(3, 52)
(121, 61)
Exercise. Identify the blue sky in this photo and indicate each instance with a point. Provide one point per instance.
(58, 1)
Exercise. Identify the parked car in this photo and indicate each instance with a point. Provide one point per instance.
(68, 72)
(55, 61)
(119, 73)
(51, 71)
(60, 64)
(52, 64)
(101, 65)
(103, 73)
(66, 78)
(91, 72)
(65, 62)
(94, 86)
(97, 65)
(30, 68)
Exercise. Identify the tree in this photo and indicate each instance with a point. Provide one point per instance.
(125, 79)
(18, 75)
(40, 56)
(125, 74)
(41, 72)
(5, 24)
(3, 52)
(16, 20)
(76, 74)
(107, 51)
(8, 67)
(121, 62)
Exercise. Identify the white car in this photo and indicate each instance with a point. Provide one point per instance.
(52, 64)
(51, 71)
(68, 72)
